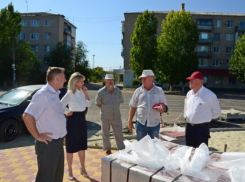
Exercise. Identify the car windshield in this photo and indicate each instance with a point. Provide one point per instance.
(14, 97)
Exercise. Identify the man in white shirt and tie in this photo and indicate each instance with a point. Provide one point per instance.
(201, 106)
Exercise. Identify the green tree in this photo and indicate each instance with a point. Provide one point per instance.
(143, 54)
(176, 48)
(62, 56)
(9, 29)
(97, 74)
(27, 65)
(237, 61)
(81, 62)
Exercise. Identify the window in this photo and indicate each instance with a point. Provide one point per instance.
(217, 23)
(229, 24)
(216, 49)
(216, 36)
(203, 62)
(47, 22)
(229, 50)
(203, 36)
(229, 37)
(23, 23)
(216, 63)
(232, 80)
(218, 80)
(34, 36)
(46, 36)
(204, 22)
(47, 48)
(34, 23)
(34, 48)
(202, 48)
(242, 24)
(22, 36)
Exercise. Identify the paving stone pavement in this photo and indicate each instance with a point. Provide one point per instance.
(20, 165)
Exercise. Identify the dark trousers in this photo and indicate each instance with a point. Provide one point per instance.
(50, 160)
(195, 135)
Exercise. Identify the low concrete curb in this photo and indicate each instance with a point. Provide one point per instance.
(226, 129)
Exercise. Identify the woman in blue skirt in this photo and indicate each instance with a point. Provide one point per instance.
(77, 100)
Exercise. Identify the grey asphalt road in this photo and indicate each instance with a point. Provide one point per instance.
(175, 104)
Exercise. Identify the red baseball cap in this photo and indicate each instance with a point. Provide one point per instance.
(195, 75)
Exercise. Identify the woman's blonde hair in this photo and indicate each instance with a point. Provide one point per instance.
(75, 77)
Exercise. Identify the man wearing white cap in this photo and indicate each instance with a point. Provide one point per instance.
(201, 106)
(144, 97)
(108, 99)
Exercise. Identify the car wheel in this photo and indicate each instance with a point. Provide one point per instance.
(9, 130)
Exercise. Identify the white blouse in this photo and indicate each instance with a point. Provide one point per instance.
(76, 102)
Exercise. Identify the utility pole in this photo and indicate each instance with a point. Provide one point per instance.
(93, 61)
(27, 6)
(13, 65)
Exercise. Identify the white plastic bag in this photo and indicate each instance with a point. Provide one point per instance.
(175, 128)
(237, 172)
(200, 158)
(232, 156)
(173, 159)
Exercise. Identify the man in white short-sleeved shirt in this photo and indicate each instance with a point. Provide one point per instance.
(45, 120)
(144, 97)
(201, 106)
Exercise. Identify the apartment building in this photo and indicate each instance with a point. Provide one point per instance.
(218, 35)
(44, 31)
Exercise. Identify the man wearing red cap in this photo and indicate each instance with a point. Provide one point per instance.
(201, 106)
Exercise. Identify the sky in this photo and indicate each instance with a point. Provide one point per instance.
(99, 25)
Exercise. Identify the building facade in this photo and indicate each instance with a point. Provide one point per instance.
(218, 35)
(44, 31)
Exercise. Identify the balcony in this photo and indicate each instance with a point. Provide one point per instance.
(123, 27)
(204, 54)
(68, 43)
(204, 27)
(240, 29)
(67, 31)
(205, 41)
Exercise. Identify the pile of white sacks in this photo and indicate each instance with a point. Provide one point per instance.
(153, 154)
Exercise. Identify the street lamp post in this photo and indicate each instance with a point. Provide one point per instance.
(13, 65)
(93, 61)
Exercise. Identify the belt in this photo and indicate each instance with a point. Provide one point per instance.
(199, 124)
(58, 138)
